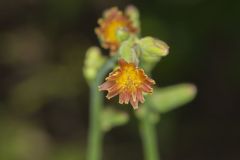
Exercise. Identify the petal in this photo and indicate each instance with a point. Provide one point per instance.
(122, 63)
(113, 93)
(134, 104)
(127, 97)
(121, 98)
(113, 76)
(140, 96)
(150, 81)
(106, 85)
(134, 95)
(114, 88)
(146, 88)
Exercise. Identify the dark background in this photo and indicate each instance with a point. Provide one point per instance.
(44, 97)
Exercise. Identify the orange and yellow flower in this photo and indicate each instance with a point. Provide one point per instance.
(129, 82)
(112, 20)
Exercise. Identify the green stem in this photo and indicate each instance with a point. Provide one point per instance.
(147, 129)
(94, 150)
(149, 138)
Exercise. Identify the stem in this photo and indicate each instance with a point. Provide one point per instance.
(148, 135)
(148, 131)
(94, 150)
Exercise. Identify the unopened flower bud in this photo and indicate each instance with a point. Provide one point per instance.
(128, 51)
(93, 61)
(153, 47)
(151, 51)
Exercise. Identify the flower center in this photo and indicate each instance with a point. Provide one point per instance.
(130, 78)
(111, 30)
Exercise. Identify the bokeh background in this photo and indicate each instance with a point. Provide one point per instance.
(44, 97)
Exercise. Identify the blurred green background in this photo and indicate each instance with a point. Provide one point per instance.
(44, 97)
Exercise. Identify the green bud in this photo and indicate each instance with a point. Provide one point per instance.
(153, 47)
(122, 34)
(93, 61)
(128, 51)
(151, 51)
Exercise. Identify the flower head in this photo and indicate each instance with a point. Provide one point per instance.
(129, 82)
(113, 20)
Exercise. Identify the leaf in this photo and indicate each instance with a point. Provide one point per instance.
(112, 118)
(170, 98)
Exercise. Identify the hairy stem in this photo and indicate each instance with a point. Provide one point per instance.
(94, 150)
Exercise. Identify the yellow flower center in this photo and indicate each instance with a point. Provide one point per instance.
(130, 78)
(111, 30)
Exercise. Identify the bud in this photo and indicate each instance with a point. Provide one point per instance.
(153, 47)
(93, 61)
(128, 51)
(122, 34)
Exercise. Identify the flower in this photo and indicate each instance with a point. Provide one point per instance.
(113, 21)
(129, 82)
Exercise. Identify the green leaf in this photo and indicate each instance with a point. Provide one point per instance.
(170, 98)
(112, 118)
